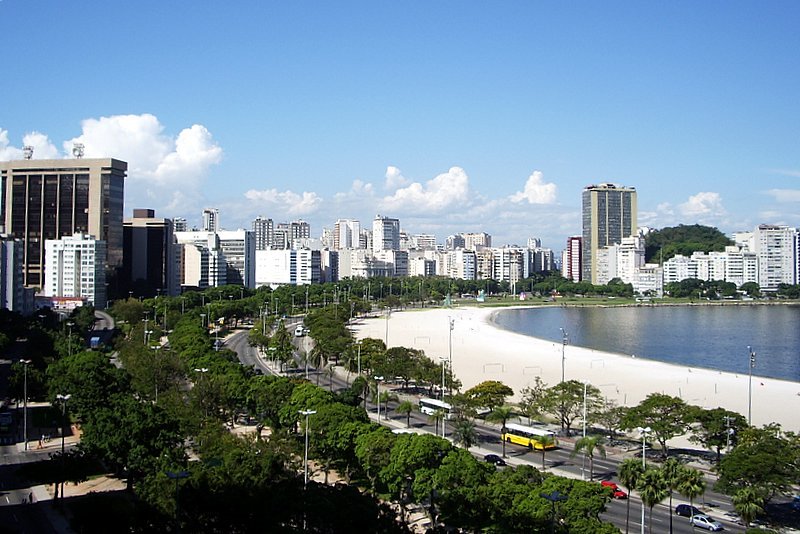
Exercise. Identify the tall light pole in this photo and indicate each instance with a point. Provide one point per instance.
(564, 340)
(752, 364)
(450, 343)
(63, 399)
(25, 402)
(386, 340)
(69, 338)
(305, 456)
(644, 431)
(378, 395)
(444, 364)
(583, 464)
(359, 356)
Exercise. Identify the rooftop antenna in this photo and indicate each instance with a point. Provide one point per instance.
(27, 151)
(77, 150)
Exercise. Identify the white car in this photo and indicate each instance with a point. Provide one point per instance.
(706, 522)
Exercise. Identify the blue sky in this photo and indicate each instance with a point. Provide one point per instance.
(451, 116)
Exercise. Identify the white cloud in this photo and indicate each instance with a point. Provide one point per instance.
(786, 172)
(288, 202)
(394, 179)
(784, 195)
(703, 204)
(445, 190)
(42, 147)
(536, 191)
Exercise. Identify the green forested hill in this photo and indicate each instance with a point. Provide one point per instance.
(683, 239)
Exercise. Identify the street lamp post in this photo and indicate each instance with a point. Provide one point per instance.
(25, 402)
(564, 340)
(378, 395)
(450, 344)
(388, 312)
(359, 357)
(70, 324)
(554, 498)
(177, 476)
(63, 399)
(583, 463)
(305, 456)
(752, 364)
(203, 320)
(444, 363)
(644, 431)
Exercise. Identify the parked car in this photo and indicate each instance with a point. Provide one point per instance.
(494, 459)
(687, 510)
(706, 522)
(616, 492)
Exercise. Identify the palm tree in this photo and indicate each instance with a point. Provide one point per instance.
(652, 490)
(589, 444)
(630, 470)
(691, 484)
(501, 414)
(672, 471)
(464, 433)
(436, 416)
(546, 441)
(406, 407)
(748, 503)
(384, 399)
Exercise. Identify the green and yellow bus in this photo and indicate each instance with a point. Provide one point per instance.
(533, 438)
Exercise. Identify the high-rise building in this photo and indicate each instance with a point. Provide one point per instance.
(263, 230)
(609, 215)
(179, 224)
(150, 261)
(346, 234)
(285, 234)
(777, 250)
(385, 233)
(50, 199)
(239, 249)
(571, 260)
(12, 290)
(75, 267)
(211, 220)
(477, 241)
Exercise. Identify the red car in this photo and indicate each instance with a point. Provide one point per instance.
(616, 492)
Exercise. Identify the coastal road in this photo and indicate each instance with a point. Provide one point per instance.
(560, 460)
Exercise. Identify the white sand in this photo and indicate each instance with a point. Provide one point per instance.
(482, 351)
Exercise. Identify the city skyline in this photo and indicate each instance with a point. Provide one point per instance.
(451, 118)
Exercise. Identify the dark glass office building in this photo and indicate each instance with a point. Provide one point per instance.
(609, 215)
(49, 199)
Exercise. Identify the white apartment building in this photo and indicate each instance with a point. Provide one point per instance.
(649, 280)
(287, 267)
(421, 266)
(621, 260)
(477, 241)
(75, 267)
(462, 264)
(777, 249)
(362, 264)
(211, 220)
(385, 233)
(734, 265)
(571, 259)
(509, 264)
(395, 260)
(201, 260)
(346, 234)
(424, 241)
(264, 232)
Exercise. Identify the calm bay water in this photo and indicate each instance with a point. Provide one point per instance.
(714, 337)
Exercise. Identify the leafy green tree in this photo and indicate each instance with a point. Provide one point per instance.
(531, 402)
(630, 472)
(666, 416)
(37, 386)
(652, 489)
(328, 444)
(748, 503)
(765, 459)
(133, 437)
(489, 394)
(411, 454)
(89, 378)
(661, 245)
(501, 414)
(590, 444)
(458, 482)
(752, 289)
(373, 451)
(715, 429)
(565, 401)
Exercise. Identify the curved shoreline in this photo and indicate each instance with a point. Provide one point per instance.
(483, 351)
(493, 321)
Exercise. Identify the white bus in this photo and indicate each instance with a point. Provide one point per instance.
(533, 438)
(430, 406)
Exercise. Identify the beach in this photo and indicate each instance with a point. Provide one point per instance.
(481, 351)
